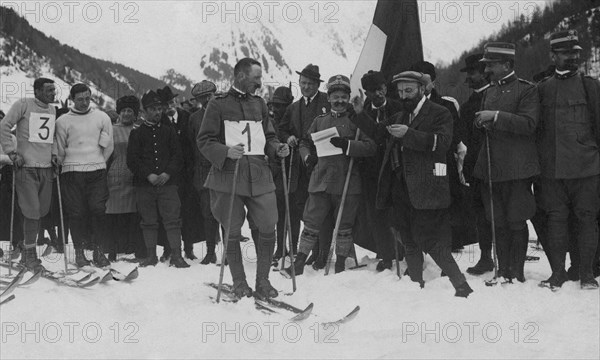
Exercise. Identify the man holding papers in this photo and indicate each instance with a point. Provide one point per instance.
(333, 141)
(413, 180)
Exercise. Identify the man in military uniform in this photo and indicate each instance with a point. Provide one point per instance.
(293, 127)
(510, 117)
(327, 180)
(570, 160)
(203, 92)
(236, 128)
(373, 223)
(477, 80)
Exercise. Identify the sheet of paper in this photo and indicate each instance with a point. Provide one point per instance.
(321, 141)
(440, 169)
(247, 132)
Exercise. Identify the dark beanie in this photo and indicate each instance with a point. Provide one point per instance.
(128, 101)
(425, 68)
(283, 95)
(372, 80)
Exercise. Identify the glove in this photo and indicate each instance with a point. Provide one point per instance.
(311, 161)
(283, 150)
(339, 142)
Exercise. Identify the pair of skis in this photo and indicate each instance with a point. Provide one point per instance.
(272, 306)
(8, 286)
(106, 274)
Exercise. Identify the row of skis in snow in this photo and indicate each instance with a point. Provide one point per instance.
(18, 275)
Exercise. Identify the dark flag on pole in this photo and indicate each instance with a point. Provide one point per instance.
(393, 43)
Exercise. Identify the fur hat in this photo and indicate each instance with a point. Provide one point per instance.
(128, 101)
(372, 80)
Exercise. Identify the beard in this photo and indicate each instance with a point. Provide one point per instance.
(409, 105)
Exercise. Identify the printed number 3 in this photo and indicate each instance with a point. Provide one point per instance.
(247, 130)
(44, 127)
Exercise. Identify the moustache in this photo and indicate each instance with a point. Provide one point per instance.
(340, 104)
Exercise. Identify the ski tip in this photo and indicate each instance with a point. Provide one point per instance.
(10, 298)
(106, 277)
(133, 274)
(92, 282)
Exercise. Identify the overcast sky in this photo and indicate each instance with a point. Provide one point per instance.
(109, 29)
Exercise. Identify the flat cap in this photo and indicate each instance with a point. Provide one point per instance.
(412, 76)
(204, 87)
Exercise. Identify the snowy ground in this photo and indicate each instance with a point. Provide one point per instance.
(167, 313)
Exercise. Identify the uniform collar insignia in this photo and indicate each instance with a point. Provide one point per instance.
(564, 75)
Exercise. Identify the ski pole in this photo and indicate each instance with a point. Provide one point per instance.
(287, 209)
(12, 217)
(338, 219)
(288, 226)
(397, 254)
(62, 222)
(228, 228)
(491, 194)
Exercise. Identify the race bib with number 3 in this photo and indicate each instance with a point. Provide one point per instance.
(41, 128)
(248, 133)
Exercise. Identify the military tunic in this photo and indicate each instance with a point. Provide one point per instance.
(327, 182)
(570, 162)
(255, 189)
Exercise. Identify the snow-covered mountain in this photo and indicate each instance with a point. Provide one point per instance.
(283, 47)
(20, 66)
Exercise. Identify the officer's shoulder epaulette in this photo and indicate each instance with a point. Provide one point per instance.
(590, 77)
(322, 115)
(546, 78)
(222, 95)
(526, 82)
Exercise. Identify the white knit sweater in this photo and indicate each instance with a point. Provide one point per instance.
(84, 141)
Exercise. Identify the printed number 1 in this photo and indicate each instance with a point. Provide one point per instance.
(247, 130)
(44, 127)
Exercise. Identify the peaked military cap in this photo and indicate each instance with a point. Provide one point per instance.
(498, 51)
(566, 40)
(338, 82)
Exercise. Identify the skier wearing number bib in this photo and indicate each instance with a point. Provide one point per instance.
(236, 128)
(32, 159)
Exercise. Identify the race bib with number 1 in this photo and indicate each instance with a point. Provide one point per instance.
(41, 128)
(248, 133)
